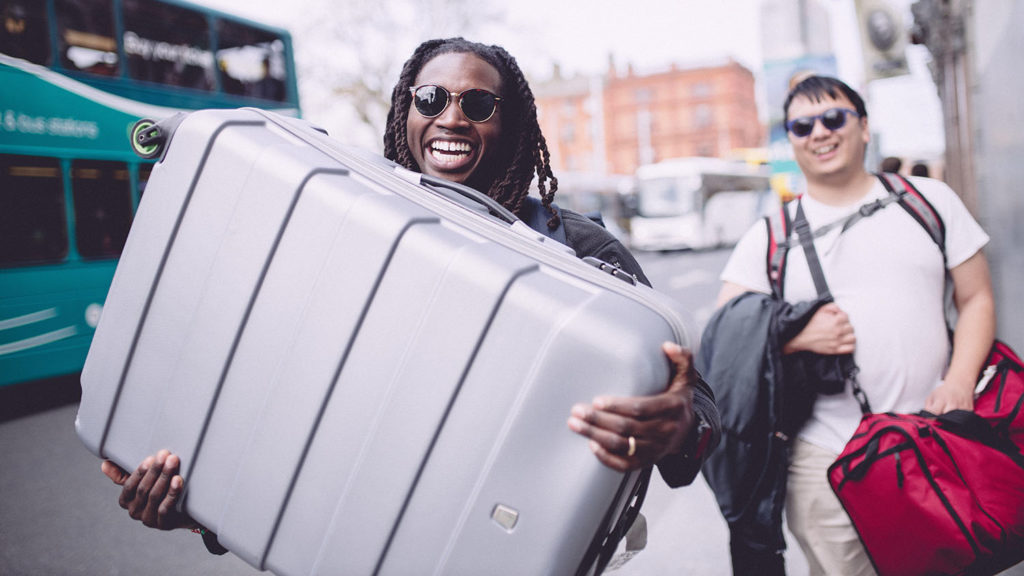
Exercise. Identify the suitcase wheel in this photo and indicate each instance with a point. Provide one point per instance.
(147, 138)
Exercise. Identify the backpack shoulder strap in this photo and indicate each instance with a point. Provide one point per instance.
(919, 208)
(906, 195)
(778, 226)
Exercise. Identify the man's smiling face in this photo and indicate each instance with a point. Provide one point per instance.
(827, 154)
(450, 146)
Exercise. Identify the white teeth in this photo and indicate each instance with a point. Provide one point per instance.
(825, 149)
(448, 146)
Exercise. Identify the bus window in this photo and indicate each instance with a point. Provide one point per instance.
(144, 171)
(25, 31)
(85, 36)
(251, 62)
(32, 223)
(167, 44)
(103, 207)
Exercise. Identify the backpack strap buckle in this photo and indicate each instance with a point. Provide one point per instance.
(871, 207)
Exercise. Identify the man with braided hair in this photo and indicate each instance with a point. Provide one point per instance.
(496, 146)
(463, 112)
(522, 150)
(499, 156)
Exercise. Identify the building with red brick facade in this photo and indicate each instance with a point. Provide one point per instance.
(613, 124)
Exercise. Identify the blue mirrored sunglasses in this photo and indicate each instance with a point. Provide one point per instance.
(832, 119)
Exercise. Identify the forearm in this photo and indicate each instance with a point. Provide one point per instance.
(972, 338)
(798, 343)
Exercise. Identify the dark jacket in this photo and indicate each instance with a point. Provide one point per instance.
(763, 398)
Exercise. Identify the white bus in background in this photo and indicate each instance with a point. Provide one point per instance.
(694, 203)
(592, 193)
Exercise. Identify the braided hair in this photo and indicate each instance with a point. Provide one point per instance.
(524, 152)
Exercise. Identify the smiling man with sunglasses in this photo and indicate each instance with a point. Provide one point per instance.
(462, 111)
(887, 278)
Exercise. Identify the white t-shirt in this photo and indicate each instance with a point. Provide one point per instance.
(886, 273)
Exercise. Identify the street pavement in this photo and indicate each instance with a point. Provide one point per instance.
(59, 514)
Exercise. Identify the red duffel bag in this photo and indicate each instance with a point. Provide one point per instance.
(926, 499)
(1001, 394)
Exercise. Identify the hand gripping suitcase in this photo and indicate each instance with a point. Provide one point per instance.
(361, 373)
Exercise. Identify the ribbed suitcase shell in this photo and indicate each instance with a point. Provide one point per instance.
(359, 374)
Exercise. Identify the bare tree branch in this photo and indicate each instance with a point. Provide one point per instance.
(349, 52)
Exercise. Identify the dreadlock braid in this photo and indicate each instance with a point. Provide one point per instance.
(524, 151)
(396, 147)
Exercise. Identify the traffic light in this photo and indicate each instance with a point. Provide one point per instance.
(883, 39)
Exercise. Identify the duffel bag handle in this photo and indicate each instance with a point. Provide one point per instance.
(967, 424)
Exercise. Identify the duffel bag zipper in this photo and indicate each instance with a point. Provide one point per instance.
(1003, 369)
(945, 448)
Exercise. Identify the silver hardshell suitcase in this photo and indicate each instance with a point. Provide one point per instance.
(362, 373)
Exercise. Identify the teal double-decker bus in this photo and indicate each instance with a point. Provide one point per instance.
(75, 75)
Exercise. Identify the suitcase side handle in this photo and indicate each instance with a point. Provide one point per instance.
(495, 208)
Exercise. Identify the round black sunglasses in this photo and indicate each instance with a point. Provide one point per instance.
(832, 119)
(477, 104)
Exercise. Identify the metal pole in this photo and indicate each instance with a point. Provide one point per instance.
(955, 96)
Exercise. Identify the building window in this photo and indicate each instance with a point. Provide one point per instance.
(702, 116)
(701, 90)
(568, 132)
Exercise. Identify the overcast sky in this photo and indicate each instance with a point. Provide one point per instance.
(581, 36)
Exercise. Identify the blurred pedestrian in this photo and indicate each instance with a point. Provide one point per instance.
(891, 164)
(919, 169)
(885, 313)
